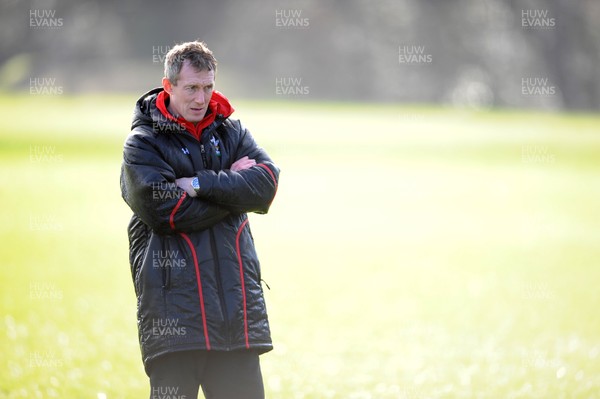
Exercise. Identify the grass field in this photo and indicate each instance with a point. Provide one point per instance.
(411, 252)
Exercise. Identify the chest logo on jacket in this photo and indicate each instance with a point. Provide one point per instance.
(215, 142)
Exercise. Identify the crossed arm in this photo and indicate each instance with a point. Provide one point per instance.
(185, 183)
(168, 204)
(249, 185)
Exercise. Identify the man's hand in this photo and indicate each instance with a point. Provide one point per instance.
(243, 163)
(185, 183)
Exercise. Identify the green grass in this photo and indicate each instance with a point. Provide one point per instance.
(412, 252)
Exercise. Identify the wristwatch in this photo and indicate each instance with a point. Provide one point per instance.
(195, 184)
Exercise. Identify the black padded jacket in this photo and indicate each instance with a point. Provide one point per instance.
(194, 266)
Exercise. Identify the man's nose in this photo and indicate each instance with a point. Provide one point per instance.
(200, 98)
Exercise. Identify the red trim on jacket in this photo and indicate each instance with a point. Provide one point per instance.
(239, 256)
(262, 165)
(174, 211)
(218, 104)
(199, 282)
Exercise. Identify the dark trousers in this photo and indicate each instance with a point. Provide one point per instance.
(222, 375)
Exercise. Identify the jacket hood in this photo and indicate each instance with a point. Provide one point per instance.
(150, 109)
(143, 108)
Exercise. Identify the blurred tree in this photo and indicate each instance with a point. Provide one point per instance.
(349, 50)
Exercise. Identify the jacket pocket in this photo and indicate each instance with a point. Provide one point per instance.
(154, 271)
(166, 277)
(178, 260)
(168, 259)
(140, 268)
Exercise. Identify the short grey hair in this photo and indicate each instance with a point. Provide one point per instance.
(196, 53)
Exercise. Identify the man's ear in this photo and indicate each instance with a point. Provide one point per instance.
(167, 85)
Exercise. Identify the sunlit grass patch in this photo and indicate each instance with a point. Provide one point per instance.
(412, 252)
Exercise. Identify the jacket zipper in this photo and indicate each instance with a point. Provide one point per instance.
(166, 269)
(203, 153)
(215, 254)
(213, 247)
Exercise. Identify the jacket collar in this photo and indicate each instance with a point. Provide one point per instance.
(218, 106)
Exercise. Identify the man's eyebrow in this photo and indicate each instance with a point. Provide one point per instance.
(200, 84)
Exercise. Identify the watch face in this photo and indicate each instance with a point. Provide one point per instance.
(195, 183)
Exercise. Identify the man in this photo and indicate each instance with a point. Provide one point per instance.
(191, 174)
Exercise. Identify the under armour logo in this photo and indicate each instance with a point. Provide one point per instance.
(185, 150)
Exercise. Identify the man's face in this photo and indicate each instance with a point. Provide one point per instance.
(191, 94)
